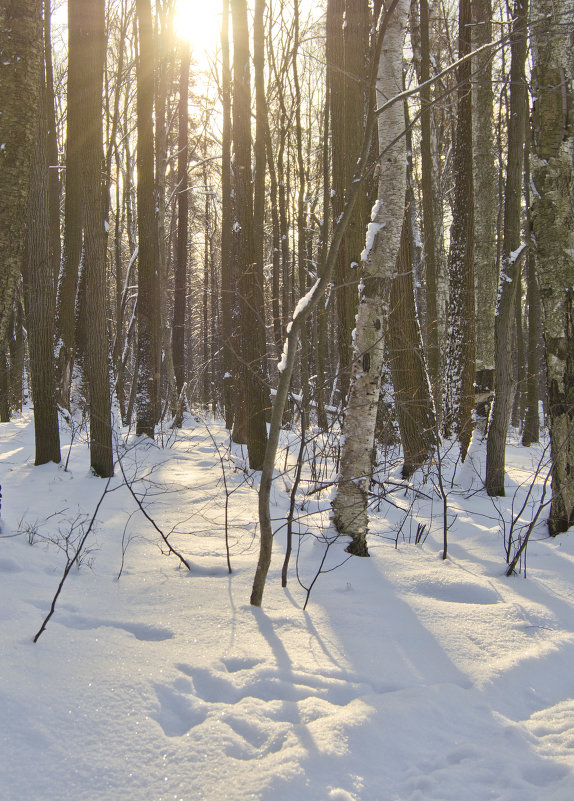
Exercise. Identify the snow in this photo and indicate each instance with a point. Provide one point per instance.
(373, 229)
(282, 363)
(305, 300)
(406, 678)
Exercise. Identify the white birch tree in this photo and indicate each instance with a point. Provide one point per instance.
(378, 270)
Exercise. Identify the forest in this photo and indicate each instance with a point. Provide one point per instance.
(285, 285)
(351, 220)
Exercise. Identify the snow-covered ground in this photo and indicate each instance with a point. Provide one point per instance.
(406, 678)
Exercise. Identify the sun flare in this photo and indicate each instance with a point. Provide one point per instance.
(198, 22)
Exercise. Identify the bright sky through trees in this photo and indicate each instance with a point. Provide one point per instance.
(200, 23)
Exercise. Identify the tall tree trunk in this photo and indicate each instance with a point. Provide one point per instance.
(97, 372)
(511, 253)
(431, 261)
(21, 48)
(39, 295)
(205, 361)
(410, 382)
(147, 403)
(53, 160)
(72, 250)
(485, 202)
(461, 355)
(302, 270)
(255, 395)
(164, 58)
(531, 432)
(320, 329)
(227, 283)
(552, 165)
(379, 265)
(347, 44)
(519, 402)
(180, 279)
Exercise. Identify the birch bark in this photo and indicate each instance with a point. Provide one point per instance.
(378, 271)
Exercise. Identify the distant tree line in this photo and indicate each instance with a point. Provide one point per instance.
(407, 169)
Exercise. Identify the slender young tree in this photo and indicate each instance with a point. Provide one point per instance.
(552, 163)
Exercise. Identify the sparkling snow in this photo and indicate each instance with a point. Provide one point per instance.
(407, 678)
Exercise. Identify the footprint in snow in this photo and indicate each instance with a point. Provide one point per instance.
(177, 713)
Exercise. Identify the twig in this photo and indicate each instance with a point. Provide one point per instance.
(170, 548)
(71, 562)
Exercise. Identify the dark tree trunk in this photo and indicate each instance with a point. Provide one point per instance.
(428, 195)
(147, 402)
(72, 250)
(412, 396)
(39, 295)
(180, 288)
(510, 270)
(552, 162)
(255, 400)
(461, 367)
(96, 357)
(21, 48)
(227, 280)
(347, 44)
(531, 432)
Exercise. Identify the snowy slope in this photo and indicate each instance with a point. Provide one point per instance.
(407, 678)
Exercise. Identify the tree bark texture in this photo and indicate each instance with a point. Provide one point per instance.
(21, 48)
(180, 278)
(347, 45)
(147, 402)
(552, 165)
(227, 261)
(431, 260)
(511, 258)
(485, 193)
(73, 207)
(39, 295)
(97, 351)
(255, 400)
(378, 271)
(413, 402)
(461, 317)
(531, 431)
